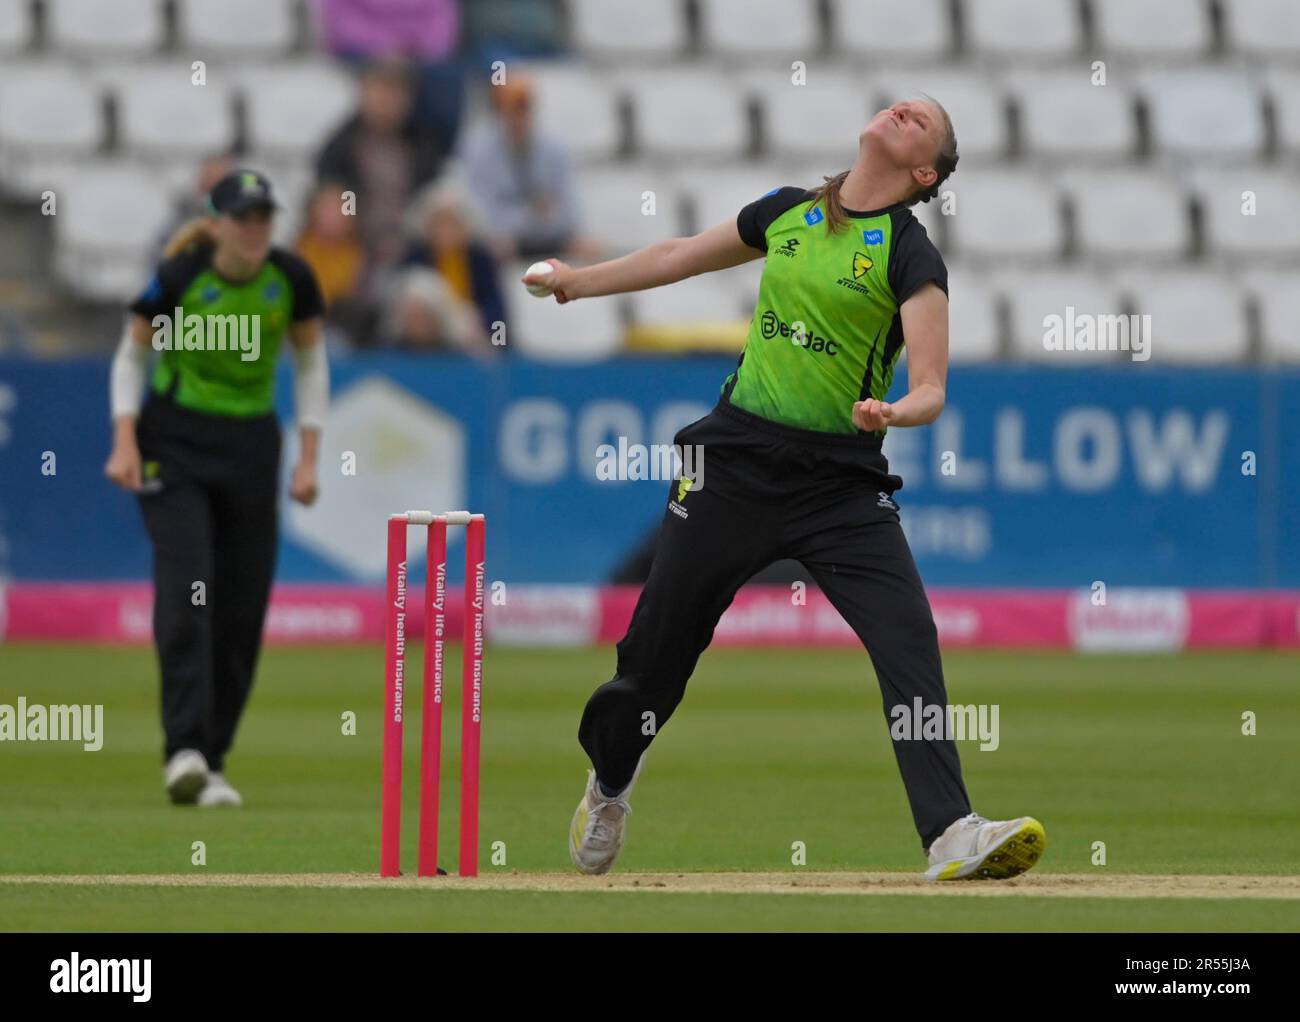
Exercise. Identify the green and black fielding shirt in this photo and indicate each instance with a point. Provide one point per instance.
(206, 365)
(826, 331)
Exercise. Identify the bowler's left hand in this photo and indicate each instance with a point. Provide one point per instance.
(872, 415)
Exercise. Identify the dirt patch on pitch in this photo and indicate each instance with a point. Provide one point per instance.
(1030, 885)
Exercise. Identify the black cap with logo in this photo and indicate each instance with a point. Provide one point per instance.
(240, 191)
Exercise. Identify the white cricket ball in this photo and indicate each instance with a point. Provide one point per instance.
(540, 290)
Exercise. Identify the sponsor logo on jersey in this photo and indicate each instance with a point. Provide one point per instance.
(876, 237)
(789, 248)
(813, 217)
(797, 334)
(272, 290)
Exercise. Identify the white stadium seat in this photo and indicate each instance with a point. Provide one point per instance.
(581, 331)
(976, 105)
(108, 224)
(628, 28)
(718, 196)
(917, 30)
(576, 104)
(707, 298)
(15, 26)
(47, 113)
(613, 200)
(236, 28)
(1158, 28)
(932, 219)
(1205, 113)
(1272, 231)
(1284, 90)
(786, 28)
(824, 116)
(1032, 297)
(162, 111)
(1197, 317)
(292, 108)
(1001, 215)
(974, 333)
(1025, 29)
(105, 27)
(1267, 28)
(691, 112)
(1278, 301)
(1062, 114)
(1129, 213)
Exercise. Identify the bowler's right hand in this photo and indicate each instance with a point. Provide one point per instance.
(559, 280)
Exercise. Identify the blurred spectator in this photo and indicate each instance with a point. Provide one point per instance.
(379, 154)
(424, 31)
(329, 244)
(523, 180)
(449, 243)
(427, 315)
(195, 204)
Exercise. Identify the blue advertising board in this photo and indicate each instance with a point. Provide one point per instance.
(1032, 477)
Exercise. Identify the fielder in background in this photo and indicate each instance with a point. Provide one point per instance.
(203, 457)
(795, 469)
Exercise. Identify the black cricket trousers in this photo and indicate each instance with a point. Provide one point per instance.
(770, 492)
(210, 510)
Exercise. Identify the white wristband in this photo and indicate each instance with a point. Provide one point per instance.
(311, 385)
(127, 375)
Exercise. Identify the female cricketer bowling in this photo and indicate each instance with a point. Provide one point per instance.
(795, 469)
(203, 456)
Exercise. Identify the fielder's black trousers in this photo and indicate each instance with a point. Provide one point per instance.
(771, 492)
(211, 514)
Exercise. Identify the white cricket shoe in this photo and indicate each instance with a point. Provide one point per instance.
(599, 823)
(974, 848)
(185, 775)
(219, 793)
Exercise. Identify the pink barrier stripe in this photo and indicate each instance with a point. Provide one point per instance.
(577, 615)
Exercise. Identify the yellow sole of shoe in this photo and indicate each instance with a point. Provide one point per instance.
(1016, 854)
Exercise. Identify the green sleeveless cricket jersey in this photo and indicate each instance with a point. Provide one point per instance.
(826, 331)
(219, 339)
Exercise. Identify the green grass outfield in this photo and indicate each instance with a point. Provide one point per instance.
(770, 748)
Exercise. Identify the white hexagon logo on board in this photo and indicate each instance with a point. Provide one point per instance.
(408, 455)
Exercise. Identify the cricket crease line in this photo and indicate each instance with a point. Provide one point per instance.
(1063, 885)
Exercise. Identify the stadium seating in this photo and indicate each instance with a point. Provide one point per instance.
(789, 29)
(237, 29)
(1130, 214)
(1148, 28)
(1277, 300)
(618, 29)
(919, 30)
(693, 99)
(109, 221)
(105, 28)
(615, 204)
(1032, 30)
(16, 27)
(48, 113)
(1263, 28)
